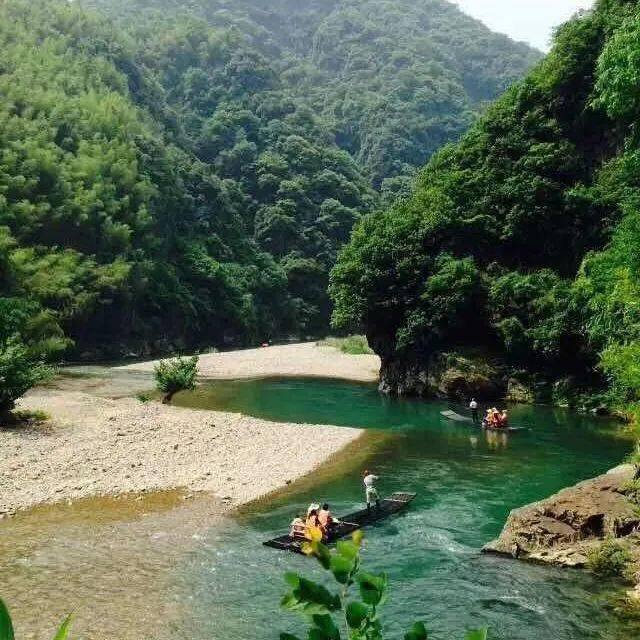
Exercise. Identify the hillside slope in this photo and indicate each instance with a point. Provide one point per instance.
(520, 242)
(183, 174)
(392, 79)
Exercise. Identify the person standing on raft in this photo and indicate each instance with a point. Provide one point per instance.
(473, 405)
(371, 493)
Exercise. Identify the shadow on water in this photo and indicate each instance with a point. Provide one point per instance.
(216, 580)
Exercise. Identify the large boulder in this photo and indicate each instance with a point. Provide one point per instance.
(445, 375)
(563, 528)
(519, 391)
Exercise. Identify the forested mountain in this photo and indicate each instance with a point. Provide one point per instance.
(523, 238)
(392, 79)
(183, 173)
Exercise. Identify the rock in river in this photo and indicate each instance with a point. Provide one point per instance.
(563, 528)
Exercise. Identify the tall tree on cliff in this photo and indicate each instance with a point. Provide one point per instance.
(487, 248)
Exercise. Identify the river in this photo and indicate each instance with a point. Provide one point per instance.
(161, 568)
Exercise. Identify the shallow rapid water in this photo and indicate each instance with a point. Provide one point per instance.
(467, 481)
(216, 581)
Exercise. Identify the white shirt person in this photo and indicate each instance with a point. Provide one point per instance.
(473, 405)
(371, 493)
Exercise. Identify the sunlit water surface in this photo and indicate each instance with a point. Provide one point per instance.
(173, 570)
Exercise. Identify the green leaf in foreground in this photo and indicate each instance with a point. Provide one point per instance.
(63, 631)
(341, 568)
(309, 597)
(417, 632)
(325, 628)
(372, 588)
(356, 614)
(478, 634)
(6, 627)
(348, 549)
(292, 579)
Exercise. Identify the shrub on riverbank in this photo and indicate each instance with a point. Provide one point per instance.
(176, 375)
(634, 459)
(353, 345)
(29, 339)
(609, 559)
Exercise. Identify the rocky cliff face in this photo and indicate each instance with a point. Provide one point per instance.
(444, 375)
(461, 375)
(564, 528)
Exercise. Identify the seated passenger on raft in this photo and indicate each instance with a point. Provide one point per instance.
(298, 528)
(327, 521)
(317, 518)
(496, 419)
(313, 522)
(300, 525)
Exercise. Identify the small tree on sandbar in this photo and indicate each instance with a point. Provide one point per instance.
(176, 375)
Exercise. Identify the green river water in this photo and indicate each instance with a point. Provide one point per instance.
(188, 579)
(467, 481)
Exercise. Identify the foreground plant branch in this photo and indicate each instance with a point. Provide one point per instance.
(356, 615)
(6, 626)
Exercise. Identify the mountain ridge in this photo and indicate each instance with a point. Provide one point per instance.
(167, 185)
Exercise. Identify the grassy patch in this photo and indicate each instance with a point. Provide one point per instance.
(609, 559)
(631, 489)
(23, 418)
(353, 345)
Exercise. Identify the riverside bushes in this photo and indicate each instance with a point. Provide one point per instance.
(353, 345)
(176, 375)
(29, 339)
(609, 559)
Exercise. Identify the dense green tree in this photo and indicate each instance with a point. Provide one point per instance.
(126, 237)
(609, 281)
(175, 175)
(525, 233)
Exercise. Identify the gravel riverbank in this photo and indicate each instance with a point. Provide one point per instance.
(303, 359)
(96, 445)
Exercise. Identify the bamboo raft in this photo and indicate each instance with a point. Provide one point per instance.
(456, 417)
(350, 523)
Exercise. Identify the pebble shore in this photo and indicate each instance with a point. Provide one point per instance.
(101, 446)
